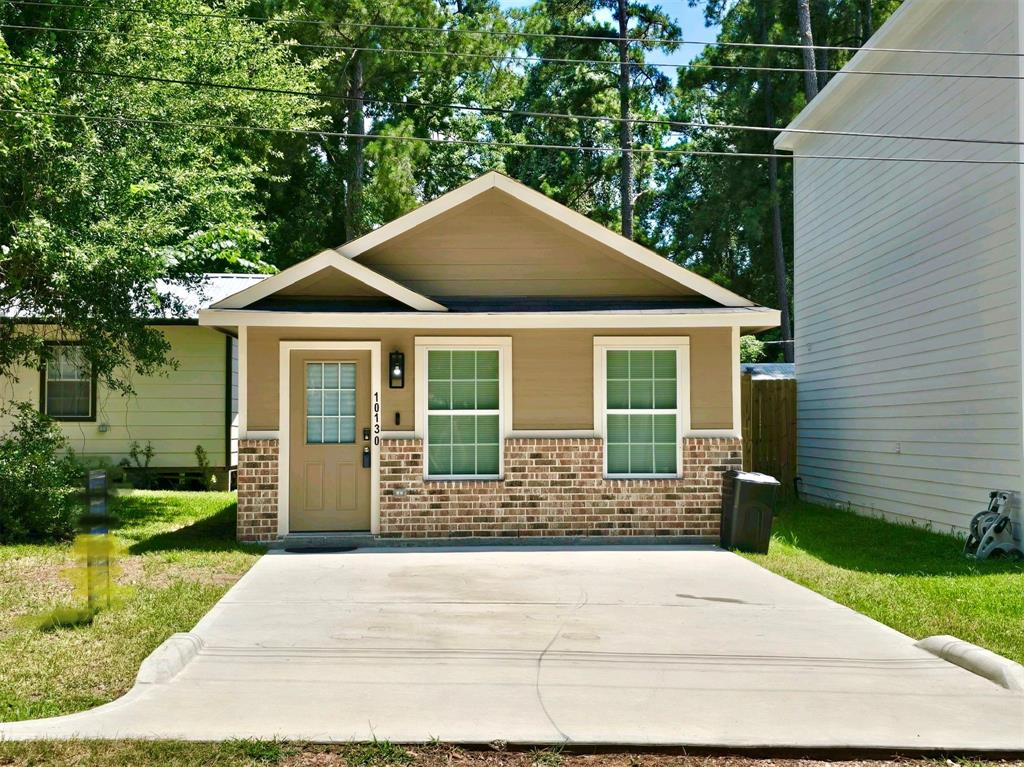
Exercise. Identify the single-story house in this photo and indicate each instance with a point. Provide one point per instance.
(908, 268)
(492, 364)
(193, 404)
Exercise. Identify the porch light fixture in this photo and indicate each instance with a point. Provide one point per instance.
(396, 370)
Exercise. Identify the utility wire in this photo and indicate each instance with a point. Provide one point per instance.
(502, 144)
(610, 37)
(544, 59)
(672, 125)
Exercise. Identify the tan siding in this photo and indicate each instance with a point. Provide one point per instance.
(553, 374)
(176, 412)
(907, 285)
(498, 246)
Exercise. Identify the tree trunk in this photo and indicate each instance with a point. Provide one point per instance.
(625, 131)
(803, 14)
(356, 153)
(869, 23)
(820, 12)
(781, 277)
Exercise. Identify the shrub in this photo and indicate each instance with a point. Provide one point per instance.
(40, 482)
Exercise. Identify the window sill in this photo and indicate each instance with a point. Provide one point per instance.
(464, 478)
(642, 476)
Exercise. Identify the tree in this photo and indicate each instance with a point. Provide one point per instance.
(385, 72)
(803, 14)
(102, 213)
(611, 188)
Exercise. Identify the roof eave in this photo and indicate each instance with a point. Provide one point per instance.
(898, 28)
(749, 319)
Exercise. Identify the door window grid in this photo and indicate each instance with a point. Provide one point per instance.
(641, 413)
(463, 413)
(68, 384)
(330, 403)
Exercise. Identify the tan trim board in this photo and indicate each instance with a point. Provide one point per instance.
(713, 434)
(328, 259)
(243, 381)
(557, 211)
(753, 319)
(734, 372)
(284, 381)
(553, 434)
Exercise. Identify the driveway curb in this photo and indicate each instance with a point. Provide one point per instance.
(167, 660)
(985, 663)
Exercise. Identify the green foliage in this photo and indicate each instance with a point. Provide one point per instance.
(377, 753)
(259, 751)
(751, 349)
(102, 216)
(39, 483)
(206, 479)
(136, 466)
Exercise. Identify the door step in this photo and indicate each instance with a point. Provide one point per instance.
(326, 541)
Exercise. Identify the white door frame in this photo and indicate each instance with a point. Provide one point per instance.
(284, 405)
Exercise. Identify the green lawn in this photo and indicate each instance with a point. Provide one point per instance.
(180, 557)
(914, 580)
(249, 753)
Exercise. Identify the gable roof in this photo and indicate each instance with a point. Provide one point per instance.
(898, 31)
(560, 213)
(325, 260)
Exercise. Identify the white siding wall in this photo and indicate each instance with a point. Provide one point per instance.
(907, 288)
(175, 412)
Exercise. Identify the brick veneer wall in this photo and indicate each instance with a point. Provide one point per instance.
(554, 487)
(257, 489)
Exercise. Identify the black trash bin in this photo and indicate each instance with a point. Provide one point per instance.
(748, 507)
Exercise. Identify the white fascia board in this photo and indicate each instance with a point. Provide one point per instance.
(896, 32)
(750, 320)
(324, 260)
(557, 211)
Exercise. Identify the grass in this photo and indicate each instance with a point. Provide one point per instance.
(180, 556)
(254, 753)
(912, 579)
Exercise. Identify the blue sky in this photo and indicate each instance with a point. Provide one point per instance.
(690, 20)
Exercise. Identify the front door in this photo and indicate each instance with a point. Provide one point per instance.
(329, 485)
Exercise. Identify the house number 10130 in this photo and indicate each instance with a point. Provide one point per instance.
(376, 418)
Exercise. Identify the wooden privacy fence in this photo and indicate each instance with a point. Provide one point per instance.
(769, 428)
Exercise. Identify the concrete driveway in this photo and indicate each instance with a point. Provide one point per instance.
(614, 645)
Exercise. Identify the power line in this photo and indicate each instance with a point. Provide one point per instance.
(610, 37)
(538, 59)
(501, 144)
(672, 125)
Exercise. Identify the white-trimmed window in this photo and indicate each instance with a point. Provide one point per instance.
(642, 404)
(68, 386)
(463, 392)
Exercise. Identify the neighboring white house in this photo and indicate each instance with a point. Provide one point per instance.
(907, 282)
(192, 404)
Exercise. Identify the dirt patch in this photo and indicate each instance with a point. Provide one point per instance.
(451, 756)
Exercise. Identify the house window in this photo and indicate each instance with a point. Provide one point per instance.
(463, 413)
(642, 402)
(68, 385)
(330, 403)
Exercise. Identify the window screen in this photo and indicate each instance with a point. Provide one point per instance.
(463, 413)
(68, 385)
(641, 435)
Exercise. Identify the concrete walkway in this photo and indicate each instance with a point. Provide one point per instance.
(612, 645)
